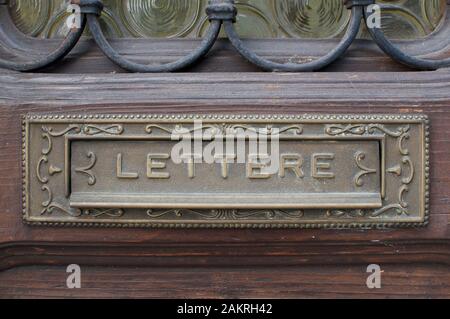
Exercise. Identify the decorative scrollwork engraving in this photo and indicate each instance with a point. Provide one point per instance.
(397, 208)
(352, 129)
(359, 157)
(48, 149)
(225, 129)
(53, 206)
(176, 212)
(113, 212)
(47, 202)
(407, 180)
(346, 213)
(52, 170)
(150, 129)
(402, 138)
(404, 189)
(110, 130)
(362, 129)
(227, 214)
(71, 128)
(270, 129)
(41, 179)
(87, 169)
(266, 214)
(402, 134)
(371, 128)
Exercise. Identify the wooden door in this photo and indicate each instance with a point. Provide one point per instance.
(247, 262)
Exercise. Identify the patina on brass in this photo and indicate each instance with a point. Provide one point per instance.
(117, 170)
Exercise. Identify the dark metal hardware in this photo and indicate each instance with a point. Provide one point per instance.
(58, 54)
(89, 6)
(353, 3)
(398, 55)
(182, 63)
(219, 12)
(318, 64)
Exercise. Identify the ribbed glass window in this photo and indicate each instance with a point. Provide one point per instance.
(405, 19)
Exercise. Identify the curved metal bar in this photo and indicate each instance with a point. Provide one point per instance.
(318, 64)
(113, 55)
(58, 54)
(398, 55)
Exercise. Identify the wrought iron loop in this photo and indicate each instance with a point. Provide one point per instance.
(58, 54)
(318, 64)
(398, 55)
(219, 12)
(190, 59)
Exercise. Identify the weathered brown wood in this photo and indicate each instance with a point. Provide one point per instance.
(222, 254)
(405, 281)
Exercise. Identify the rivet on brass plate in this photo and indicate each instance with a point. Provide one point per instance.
(268, 171)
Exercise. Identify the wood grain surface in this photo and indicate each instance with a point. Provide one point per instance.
(339, 281)
(224, 263)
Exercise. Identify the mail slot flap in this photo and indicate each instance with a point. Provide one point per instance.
(294, 173)
(251, 200)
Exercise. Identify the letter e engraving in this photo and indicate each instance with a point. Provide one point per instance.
(256, 163)
(152, 165)
(321, 165)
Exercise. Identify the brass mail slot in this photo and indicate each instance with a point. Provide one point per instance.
(315, 174)
(226, 170)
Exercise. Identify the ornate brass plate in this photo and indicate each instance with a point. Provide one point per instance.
(332, 171)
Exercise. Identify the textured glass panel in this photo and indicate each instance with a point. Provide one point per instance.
(257, 18)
